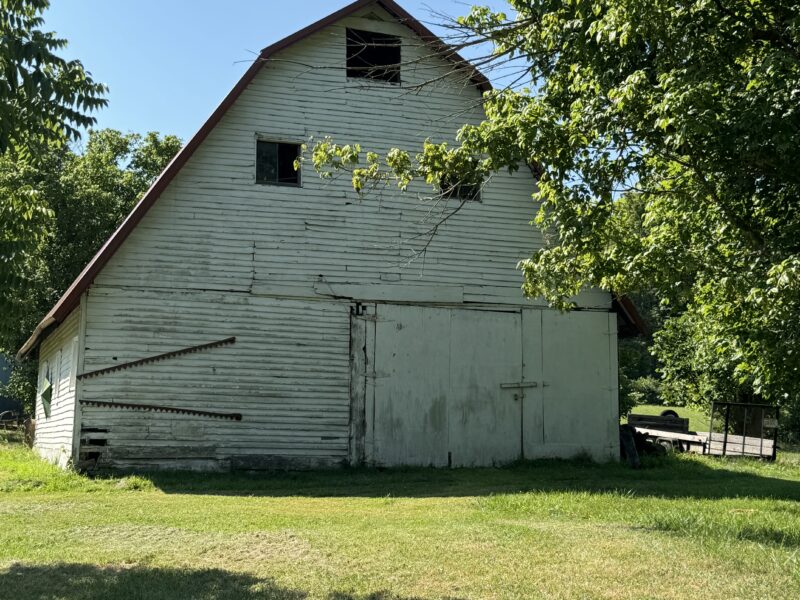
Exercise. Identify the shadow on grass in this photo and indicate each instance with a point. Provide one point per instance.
(671, 477)
(731, 532)
(71, 581)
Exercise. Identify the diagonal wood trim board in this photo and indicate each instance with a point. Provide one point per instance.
(165, 409)
(157, 357)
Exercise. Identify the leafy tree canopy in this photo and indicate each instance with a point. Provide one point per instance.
(43, 98)
(666, 136)
(44, 101)
(89, 194)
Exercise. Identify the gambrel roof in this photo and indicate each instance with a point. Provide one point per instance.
(71, 298)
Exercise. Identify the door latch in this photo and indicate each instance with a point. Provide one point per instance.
(520, 385)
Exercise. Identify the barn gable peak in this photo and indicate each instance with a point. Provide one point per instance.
(71, 298)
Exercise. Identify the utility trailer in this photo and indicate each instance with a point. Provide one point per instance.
(735, 429)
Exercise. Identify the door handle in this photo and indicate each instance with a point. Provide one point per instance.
(521, 384)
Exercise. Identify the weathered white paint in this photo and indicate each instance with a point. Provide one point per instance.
(281, 267)
(579, 372)
(469, 387)
(214, 228)
(288, 374)
(57, 362)
(533, 347)
(483, 418)
(409, 352)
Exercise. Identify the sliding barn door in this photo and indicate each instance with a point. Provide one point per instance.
(437, 396)
(484, 412)
(407, 422)
(531, 385)
(458, 387)
(580, 383)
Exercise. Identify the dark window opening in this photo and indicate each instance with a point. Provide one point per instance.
(460, 191)
(373, 55)
(275, 163)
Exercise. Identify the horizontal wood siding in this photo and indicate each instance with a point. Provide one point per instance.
(287, 374)
(219, 255)
(57, 360)
(214, 228)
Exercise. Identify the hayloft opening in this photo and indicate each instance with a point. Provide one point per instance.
(470, 192)
(372, 55)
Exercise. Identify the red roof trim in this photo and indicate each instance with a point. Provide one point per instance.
(71, 298)
(630, 313)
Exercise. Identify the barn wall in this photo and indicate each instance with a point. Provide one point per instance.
(287, 374)
(215, 229)
(58, 356)
(277, 267)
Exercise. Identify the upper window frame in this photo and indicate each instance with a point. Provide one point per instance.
(261, 138)
(366, 76)
(456, 191)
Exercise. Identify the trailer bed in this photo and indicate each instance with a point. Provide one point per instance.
(715, 445)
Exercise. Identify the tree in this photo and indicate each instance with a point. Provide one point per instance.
(44, 101)
(665, 133)
(638, 368)
(89, 194)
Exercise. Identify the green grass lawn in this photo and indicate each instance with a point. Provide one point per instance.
(682, 527)
(698, 420)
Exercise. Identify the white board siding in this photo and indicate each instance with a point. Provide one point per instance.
(215, 229)
(287, 374)
(467, 387)
(581, 413)
(219, 256)
(57, 356)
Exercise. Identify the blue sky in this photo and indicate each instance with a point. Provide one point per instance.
(168, 63)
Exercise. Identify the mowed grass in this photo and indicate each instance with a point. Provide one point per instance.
(698, 420)
(682, 527)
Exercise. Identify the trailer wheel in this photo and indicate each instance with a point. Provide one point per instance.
(669, 413)
(666, 444)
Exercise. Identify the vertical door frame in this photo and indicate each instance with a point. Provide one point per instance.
(533, 397)
(358, 385)
(362, 383)
(77, 418)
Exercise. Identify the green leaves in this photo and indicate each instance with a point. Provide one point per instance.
(435, 164)
(44, 101)
(666, 135)
(64, 208)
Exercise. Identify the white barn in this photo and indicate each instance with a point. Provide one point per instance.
(248, 316)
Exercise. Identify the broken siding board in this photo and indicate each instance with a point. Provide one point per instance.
(54, 434)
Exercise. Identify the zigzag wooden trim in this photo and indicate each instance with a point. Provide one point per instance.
(165, 409)
(157, 357)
